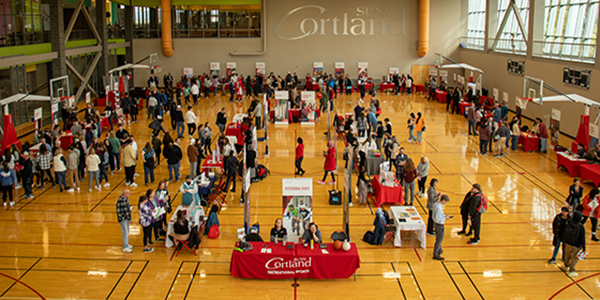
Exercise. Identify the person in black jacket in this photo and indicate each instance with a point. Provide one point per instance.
(558, 228)
(222, 120)
(27, 175)
(173, 155)
(464, 212)
(574, 241)
(177, 116)
(474, 214)
(230, 166)
(575, 194)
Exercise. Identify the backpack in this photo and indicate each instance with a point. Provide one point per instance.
(571, 233)
(262, 172)
(483, 205)
(370, 237)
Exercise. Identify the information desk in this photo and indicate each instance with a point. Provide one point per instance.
(591, 173)
(412, 222)
(386, 194)
(209, 163)
(440, 96)
(418, 88)
(195, 218)
(387, 86)
(530, 142)
(372, 162)
(299, 262)
(571, 163)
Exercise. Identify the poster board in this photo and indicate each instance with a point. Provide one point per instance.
(594, 130)
(188, 72)
(297, 206)
(54, 108)
(340, 69)
(317, 69)
(556, 114)
(215, 69)
(363, 67)
(260, 68)
(495, 94)
(231, 68)
(309, 106)
(281, 114)
(443, 75)
(504, 96)
(433, 72)
(392, 72)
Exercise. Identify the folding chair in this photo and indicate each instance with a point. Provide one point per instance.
(182, 244)
(390, 231)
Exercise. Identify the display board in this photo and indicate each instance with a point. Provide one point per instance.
(363, 67)
(188, 72)
(260, 68)
(231, 68)
(282, 106)
(215, 69)
(309, 108)
(340, 69)
(297, 206)
(317, 69)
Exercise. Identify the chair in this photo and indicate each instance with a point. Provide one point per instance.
(390, 231)
(180, 246)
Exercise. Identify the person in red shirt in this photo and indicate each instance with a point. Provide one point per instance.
(543, 136)
(591, 210)
(299, 157)
(330, 163)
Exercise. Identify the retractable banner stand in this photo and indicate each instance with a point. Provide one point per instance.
(266, 123)
(309, 108)
(297, 206)
(495, 94)
(340, 69)
(188, 72)
(231, 68)
(37, 117)
(260, 68)
(433, 72)
(55, 113)
(555, 127)
(282, 107)
(317, 69)
(215, 68)
(363, 67)
(443, 75)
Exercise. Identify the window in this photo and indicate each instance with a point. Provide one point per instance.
(570, 29)
(476, 24)
(511, 38)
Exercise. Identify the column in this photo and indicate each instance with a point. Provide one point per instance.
(129, 33)
(102, 67)
(57, 38)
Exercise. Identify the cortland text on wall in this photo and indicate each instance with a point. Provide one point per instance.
(362, 22)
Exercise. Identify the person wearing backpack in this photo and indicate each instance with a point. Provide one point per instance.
(591, 209)
(574, 239)
(476, 208)
(558, 228)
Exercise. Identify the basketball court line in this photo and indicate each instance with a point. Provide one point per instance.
(415, 277)
(576, 283)
(118, 281)
(108, 194)
(20, 277)
(453, 281)
(398, 281)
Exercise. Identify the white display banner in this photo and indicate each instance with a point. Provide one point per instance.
(555, 114)
(495, 93)
(505, 96)
(340, 65)
(54, 107)
(188, 72)
(215, 66)
(297, 186)
(308, 96)
(317, 65)
(231, 65)
(433, 72)
(88, 97)
(282, 95)
(594, 130)
(444, 74)
(260, 68)
(394, 71)
(37, 113)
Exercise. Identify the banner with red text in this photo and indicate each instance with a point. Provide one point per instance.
(297, 206)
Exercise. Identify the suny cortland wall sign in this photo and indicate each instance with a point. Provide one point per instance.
(361, 22)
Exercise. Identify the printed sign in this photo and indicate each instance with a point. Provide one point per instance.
(297, 206)
(188, 72)
(282, 95)
(88, 97)
(215, 66)
(433, 72)
(231, 68)
(37, 114)
(363, 67)
(594, 130)
(495, 93)
(317, 69)
(555, 114)
(260, 68)
(340, 69)
(505, 96)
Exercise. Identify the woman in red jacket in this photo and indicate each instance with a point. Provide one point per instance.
(329, 163)
(591, 209)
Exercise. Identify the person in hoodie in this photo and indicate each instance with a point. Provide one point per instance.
(8, 178)
(574, 239)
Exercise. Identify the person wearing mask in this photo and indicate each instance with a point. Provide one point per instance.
(92, 162)
(8, 179)
(149, 158)
(192, 153)
(485, 134)
(558, 228)
(146, 222)
(124, 218)
(330, 163)
(222, 120)
(409, 174)
(190, 119)
(60, 169)
(420, 127)
(278, 232)
(591, 209)
(474, 216)
(422, 172)
(173, 155)
(299, 157)
(129, 162)
(27, 175)
(439, 219)
(432, 198)
(312, 234)
(574, 240)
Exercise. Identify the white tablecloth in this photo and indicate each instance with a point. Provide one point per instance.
(239, 118)
(198, 212)
(417, 224)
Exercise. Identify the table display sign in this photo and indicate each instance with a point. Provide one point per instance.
(297, 206)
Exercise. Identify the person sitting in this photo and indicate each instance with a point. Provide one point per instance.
(253, 236)
(278, 232)
(312, 234)
(189, 192)
(594, 155)
(181, 229)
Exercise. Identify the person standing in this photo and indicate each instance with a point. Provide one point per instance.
(173, 156)
(146, 222)
(27, 175)
(231, 165)
(558, 228)
(149, 157)
(591, 209)
(60, 169)
(420, 126)
(574, 240)
(503, 133)
(362, 80)
(299, 157)
(422, 172)
(575, 194)
(192, 153)
(190, 119)
(409, 175)
(485, 133)
(474, 215)
(157, 145)
(129, 162)
(44, 160)
(178, 117)
(126, 104)
(439, 219)
(471, 111)
(195, 92)
(330, 163)
(124, 218)
(515, 133)
(222, 120)
(8, 179)
(92, 162)
(543, 135)
(72, 164)
(432, 198)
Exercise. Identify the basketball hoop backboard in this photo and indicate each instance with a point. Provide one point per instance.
(153, 60)
(59, 87)
(533, 88)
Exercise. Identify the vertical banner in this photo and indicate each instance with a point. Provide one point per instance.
(308, 111)
(231, 68)
(188, 72)
(260, 68)
(317, 69)
(433, 72)
(363, 67)
(282, 107)
(504, 96)
(555, 114)
(55, 113)
(266, 116)
(340, 69)
(37, 117)
(88, 98)
(297, 206)
(215, 68)
(495, 94)
(443, 75)
(594, 130)
(392, 72)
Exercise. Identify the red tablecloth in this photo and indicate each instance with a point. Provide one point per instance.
(294, 112)
(101, 101)
(529, 142)
(315, 87)
(300, 262)
(463, 106)
(386, 194)
(483, 98)
(234, 129)
(66, 141)
(387, 86)
(440, 96)
(418, 88)
(591, 173)
(210, 164)
(367, 86)
(572, 164)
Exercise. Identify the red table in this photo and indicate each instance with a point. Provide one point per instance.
(571, 163)
(209, 163)
(387, 86)
(294, 112)
(367, 86)
(440, 96)
(463, 106)
(483, 98)
(66, 141)
(591, 173)
(418, 88)
(234, 129)
(101, 101)
(529, 142)
(300, 262)
(315, 87)
(386, 194)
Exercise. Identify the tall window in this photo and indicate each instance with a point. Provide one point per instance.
(476, 24)
(570, 28)
(511, 38)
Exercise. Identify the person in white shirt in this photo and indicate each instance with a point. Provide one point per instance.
(190, 119)
(439, 219)
(195, 92)
(152, 104)
(133, 143)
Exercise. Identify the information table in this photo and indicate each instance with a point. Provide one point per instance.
(591, 173)
(386, 194)
(299, 262)
(440, 96)
(372, 163)
(530, 142)
(209, 163)
(413, 222)
(418, 88)
(387, 86)
(193, 219)
(571, 163)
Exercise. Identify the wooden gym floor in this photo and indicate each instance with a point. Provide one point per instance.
(67, 246)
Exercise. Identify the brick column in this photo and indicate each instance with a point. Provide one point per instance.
(57, 38)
